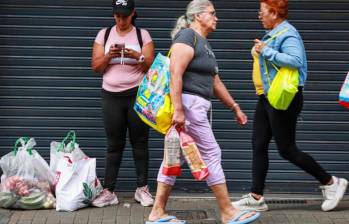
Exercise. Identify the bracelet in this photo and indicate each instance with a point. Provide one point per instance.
(141, 59)
(234, 106)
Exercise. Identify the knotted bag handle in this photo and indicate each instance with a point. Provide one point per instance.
(70, 136)
(22, 141)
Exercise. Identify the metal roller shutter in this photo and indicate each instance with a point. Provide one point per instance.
(48, 88)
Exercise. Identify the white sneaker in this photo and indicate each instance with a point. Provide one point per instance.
(333, 193)
(105, 198)
(143, 196)
(248, 202)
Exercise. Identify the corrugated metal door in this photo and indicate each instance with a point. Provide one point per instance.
(48, 88)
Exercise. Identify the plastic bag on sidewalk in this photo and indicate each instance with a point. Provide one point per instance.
(172, 153)
(26, 178)
(76, 180)
(193, 157)
(77, 183)
(68, 147)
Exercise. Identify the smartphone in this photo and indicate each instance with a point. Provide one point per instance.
(120, 46)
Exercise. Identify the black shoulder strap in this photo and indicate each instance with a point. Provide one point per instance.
(106, 35)
(139, 37)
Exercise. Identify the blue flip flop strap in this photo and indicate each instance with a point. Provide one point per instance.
(166, 219)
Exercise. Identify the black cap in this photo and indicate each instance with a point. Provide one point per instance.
(124, 7)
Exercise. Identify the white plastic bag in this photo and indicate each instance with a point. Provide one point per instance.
(77, 183)
(67, 148)
(25, 162)
(27, 178)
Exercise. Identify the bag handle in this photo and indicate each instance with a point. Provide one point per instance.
(22, 141)
(276, 35)
(267, 41)
(169, 53)
(70, 136)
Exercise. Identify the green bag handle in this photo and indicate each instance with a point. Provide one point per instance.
(267, 41)
(70, 136)
(276, 35)
(25, 139)
(267, 72)
(169, 53)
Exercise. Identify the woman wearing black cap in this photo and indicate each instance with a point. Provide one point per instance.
(123, 54)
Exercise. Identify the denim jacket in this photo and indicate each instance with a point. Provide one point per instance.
(287, 49)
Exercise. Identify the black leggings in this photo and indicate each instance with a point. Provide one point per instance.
(119, 116)
(270, 122)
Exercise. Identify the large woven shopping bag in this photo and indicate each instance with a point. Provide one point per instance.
(153, 102)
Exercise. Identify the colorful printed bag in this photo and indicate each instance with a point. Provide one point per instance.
(153, 102)
(344, 93)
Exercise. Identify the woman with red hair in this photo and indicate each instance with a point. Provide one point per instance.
(282, 46)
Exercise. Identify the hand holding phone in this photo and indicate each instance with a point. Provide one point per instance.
(121, 49)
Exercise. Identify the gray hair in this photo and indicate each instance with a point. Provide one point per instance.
(194, 7)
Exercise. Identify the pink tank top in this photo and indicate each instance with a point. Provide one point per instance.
(118, 77)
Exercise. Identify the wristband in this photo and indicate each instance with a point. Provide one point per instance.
(234, 106)
(141, 59)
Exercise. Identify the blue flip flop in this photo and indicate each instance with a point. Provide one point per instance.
(166, 220)
(236, 220)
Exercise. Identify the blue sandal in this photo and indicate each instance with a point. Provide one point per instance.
(236, 218)
(166, 220)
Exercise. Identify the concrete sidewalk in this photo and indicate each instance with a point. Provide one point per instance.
(195, 208)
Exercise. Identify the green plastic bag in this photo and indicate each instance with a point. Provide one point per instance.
(283, 88)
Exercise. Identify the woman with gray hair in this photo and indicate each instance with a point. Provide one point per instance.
(194, 81)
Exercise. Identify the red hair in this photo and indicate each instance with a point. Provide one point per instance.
(278, 6)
